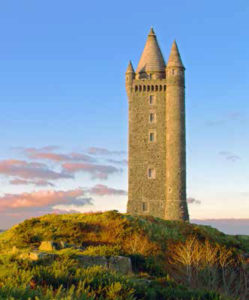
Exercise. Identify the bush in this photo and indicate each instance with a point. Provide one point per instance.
(157, 247)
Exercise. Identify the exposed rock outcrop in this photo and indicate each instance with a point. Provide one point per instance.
(120, 264)
(49, 246)
(41, 256)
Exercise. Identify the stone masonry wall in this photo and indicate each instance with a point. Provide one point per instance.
(147, 195)
(176, 205)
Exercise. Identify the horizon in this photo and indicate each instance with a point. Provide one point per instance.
(230, 226)
(64, 108)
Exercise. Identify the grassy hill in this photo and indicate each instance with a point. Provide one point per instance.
(171, 260)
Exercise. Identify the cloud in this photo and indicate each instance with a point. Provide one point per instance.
(103, 151)
(229, 156)
(44, 153)
(29, 170)
(103, 190)
(33, 182)
(45, 149)
(97, 171)
(46, 198)
(118, 162)
(215, 122)
(193, 201)
(231, 117)
(229, 226)
(48, 148)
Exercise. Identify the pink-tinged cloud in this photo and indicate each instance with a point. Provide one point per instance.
(29, 170)
(103, 190)
(44, 154)
(97, 171)
(103, 151)
(33, 182)
(46, 198)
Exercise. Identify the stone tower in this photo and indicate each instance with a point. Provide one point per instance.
(157, 155)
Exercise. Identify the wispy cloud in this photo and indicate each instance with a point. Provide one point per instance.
(122, 162)
(46, 198)
(103, 151)
(95, 170)
(191, 200)
(230, 156)
(47, 154)
(231, 117)
(103, 190)
(29, 182)
(29, 170)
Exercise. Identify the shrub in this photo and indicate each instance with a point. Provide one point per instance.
(207, 265)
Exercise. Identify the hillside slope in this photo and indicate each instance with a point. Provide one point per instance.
(159, 251)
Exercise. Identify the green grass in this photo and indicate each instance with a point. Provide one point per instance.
(64, 278)
(146, 240)
(111, 229)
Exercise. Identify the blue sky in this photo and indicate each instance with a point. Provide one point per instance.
(62, 66)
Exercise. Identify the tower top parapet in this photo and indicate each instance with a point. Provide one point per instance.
(151, 59)
(175, 57)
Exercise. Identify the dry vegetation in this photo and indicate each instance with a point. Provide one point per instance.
(171, 260)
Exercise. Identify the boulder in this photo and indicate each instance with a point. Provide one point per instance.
(14, 250)
(120, 264)
(63, 245)
(89, 261)
(41, 256)
(24, 256)
(48, 246)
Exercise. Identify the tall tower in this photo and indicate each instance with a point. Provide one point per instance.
(157, 158)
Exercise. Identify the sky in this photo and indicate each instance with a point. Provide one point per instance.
(64, 122)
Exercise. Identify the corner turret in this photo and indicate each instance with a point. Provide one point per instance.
(174, 57)
(129, 77)
(176, 204)
(175, 68)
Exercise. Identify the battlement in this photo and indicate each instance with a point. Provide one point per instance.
(151, 86)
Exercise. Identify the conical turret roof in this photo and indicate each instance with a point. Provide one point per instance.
(151, 58)
(130, 68)
(175, 57)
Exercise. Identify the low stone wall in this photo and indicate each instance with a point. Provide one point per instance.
(119, 264)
